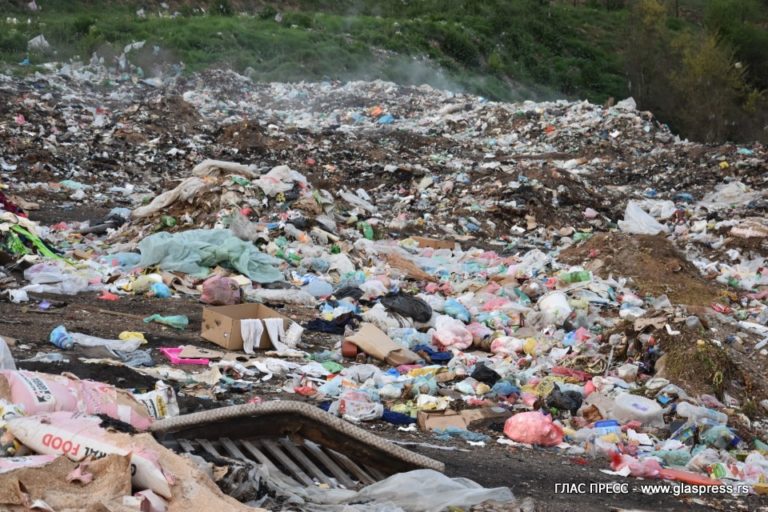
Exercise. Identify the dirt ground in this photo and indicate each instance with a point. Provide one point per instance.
(652, 262)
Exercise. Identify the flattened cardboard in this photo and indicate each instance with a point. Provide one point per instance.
(221, 324)
(375, 342)
(408, 267)
(434, 243)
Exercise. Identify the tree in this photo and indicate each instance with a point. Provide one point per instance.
(648, 43)
(712, 89)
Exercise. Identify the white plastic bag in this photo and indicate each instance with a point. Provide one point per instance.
(638, 222)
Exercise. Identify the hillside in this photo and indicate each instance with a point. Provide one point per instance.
(504, 50)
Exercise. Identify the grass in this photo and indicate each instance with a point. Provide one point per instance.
(500, 49)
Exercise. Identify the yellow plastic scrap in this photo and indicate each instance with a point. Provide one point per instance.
(132, 335)
(547, 384)
(529, 347)
(724, 165)
(425, 371)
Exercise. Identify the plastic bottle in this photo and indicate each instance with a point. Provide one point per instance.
(61, 338)
(606, 427)
(694, 413)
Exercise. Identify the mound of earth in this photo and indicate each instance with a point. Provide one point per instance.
(653, 263)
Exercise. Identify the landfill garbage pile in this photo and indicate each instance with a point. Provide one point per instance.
(560, 275)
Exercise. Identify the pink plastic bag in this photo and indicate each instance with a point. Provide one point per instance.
(451, 333)
(496, 303)
(533, 428)
(221, 291)
(507, 345)
(479, 332)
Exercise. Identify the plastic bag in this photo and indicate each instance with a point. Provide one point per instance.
(279, 179)
(195, 251)
(93, 341)
(54, 277)
(728, 195)
(372, 289)
(451, 333)
(290, 296)
(220, 291)
(246, 230)
(318, 288)
(356, 406)
(436, 302)
(533, 427)
(409, 306)
(554, 308)
(638, 222)
(179, 322)
(160, 290)
(457, 310)
(426, 490)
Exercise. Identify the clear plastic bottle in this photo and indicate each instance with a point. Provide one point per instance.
(695, 412)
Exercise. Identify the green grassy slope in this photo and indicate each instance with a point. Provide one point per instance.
(501, 49)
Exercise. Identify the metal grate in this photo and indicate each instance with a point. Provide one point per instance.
(302, 460)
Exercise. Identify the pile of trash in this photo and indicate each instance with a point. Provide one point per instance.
(552, 274)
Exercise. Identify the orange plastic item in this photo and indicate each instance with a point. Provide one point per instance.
(105, 295)
(686, 477)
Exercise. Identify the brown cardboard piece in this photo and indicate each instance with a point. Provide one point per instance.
(111, 480)
(221, 324)
(466, 419)
(410, 269)
(434, 243)
(374, 342)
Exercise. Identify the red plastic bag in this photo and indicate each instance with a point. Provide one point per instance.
(533, 428)
(221, 291)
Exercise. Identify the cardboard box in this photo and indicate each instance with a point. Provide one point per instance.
(221, 325)
(466, 419)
